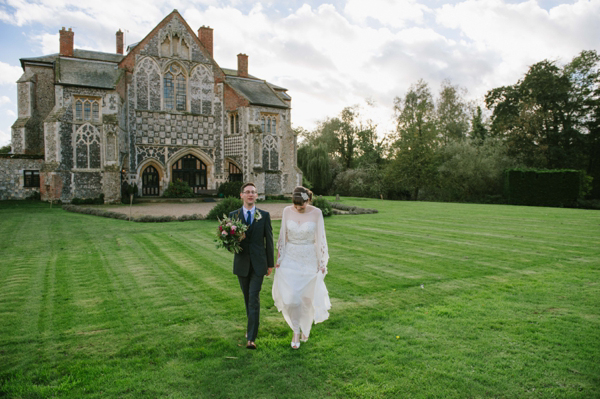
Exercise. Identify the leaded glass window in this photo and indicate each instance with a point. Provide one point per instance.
(31, 178)
(87, 109)
(175, 89)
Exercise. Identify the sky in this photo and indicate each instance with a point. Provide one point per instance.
(328, 54)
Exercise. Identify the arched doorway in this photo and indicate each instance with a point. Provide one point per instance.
(235, 173)
(192, 171)
(150, 186)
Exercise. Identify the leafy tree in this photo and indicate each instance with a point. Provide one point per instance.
(479, 129)
(347, 136)
(371, 149)
(316, 166)
(452, 116)
(414, 163)
(471, 170)
(5, 149)
(542, 115)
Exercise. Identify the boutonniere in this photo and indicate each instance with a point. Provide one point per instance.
(257, 215)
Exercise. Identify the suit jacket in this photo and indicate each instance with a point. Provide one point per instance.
(257, 247)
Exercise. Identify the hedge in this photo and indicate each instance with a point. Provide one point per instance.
(543, 187)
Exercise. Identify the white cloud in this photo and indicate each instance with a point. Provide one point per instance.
(4, 100)
(334, 55)
(392, 13)
(9, 74)
(524, 33)
(4, 138)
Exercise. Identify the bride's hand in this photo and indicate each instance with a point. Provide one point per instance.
(277, 265)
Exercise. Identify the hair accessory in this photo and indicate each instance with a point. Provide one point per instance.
(304, 196)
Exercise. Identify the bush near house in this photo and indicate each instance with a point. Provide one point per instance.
(224, 207)
(178, 189)
(230, 189)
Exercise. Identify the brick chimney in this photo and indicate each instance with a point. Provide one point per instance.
(242, 65)
(66, 42)
(119, 42)
(205, 34)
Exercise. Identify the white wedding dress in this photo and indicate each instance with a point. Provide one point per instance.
(299, 288)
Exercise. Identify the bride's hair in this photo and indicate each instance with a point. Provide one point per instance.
(298, 198)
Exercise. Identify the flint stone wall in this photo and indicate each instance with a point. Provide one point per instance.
(11, 177)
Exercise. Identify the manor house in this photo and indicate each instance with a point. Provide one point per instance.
(163, 111)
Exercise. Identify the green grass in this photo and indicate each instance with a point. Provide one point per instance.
(430, 300)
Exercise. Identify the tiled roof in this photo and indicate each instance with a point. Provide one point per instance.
(87, 73)
(258, 92)
(85, 68)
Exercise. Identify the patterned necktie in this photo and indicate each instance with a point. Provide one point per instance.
(249, 218)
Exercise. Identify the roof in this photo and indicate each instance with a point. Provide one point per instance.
(86, 68)
(234, 72)
(87, 73)
(258, 92)
(80, 54)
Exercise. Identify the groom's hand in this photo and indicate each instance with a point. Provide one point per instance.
(269, 270)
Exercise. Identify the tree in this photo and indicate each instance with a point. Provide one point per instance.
(471, 170)
(479, 130)
(5, 149)
(370, 148)
(542, 115)
(452, 116)
(414, 163)
(316, 167)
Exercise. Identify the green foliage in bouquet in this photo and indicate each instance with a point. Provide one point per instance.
(224, 207)
(323, 205)
(178, 189)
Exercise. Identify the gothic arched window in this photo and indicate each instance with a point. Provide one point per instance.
(175, 89)
(192, 171)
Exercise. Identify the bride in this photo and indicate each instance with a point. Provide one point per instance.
(299, 288)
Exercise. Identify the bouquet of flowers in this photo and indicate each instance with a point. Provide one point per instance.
(229, 234)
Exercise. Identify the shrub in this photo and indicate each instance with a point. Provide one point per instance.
(34, 196)
(178, 189)
(323, 205)
(561, 187)
(126, 190)
(470, 171)
(366, 181)
(224, 207)
(306, 183)
(230, 189)
(88, 201)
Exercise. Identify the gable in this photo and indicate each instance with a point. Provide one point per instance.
(171, 38)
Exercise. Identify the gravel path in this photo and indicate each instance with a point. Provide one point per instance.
(179, 209)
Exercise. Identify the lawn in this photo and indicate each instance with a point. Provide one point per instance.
(430, 300)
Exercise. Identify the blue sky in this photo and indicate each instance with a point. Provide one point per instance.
(328, 54)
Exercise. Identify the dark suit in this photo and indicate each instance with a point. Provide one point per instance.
(251, 264)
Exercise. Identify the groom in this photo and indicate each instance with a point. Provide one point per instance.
(256, 258)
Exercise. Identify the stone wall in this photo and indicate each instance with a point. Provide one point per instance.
(12, 178)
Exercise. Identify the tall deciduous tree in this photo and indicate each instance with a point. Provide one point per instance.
(542, 115)
(414, 163)
(316, 166)
(452, 113)
(479, 129)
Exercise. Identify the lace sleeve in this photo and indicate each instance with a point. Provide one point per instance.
(282, 237)
(321, 244)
